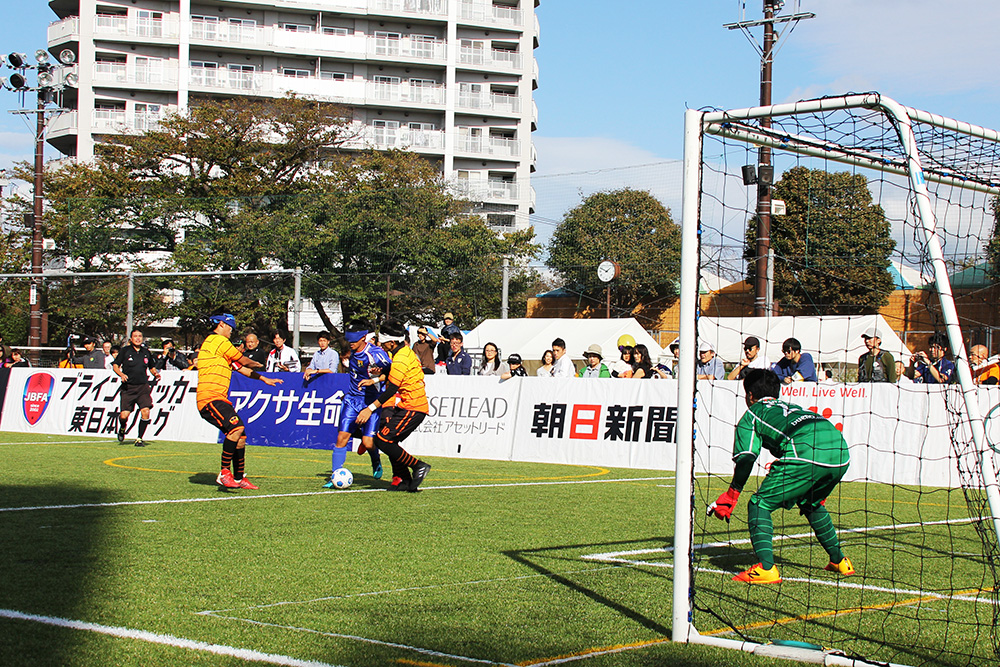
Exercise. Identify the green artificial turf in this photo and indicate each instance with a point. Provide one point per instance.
(485, 566)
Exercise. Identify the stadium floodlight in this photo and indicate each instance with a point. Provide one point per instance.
(67, 57)
(41, 57)
(71, 80)
(17, 60)
(16, 81)
(45, 79)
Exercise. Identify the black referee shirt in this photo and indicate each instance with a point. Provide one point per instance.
(134, 363)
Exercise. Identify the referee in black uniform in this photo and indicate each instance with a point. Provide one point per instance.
(131, 365)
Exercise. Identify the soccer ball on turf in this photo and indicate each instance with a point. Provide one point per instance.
(342, 478)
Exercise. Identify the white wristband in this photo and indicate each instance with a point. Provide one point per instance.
(372, 407)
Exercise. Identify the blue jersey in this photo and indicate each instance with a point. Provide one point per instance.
(361, 367)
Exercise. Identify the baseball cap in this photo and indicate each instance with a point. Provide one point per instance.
(871, 333)
(225, 318)
(514, 359)
(594, 349)
(448, 316)
(88, 339)
(751, 341)
(705, 346)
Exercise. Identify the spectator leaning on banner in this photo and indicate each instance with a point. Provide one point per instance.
(325, 360)
(875, 365)
(91, 357)
(459, 362)
(595, 367)
(983, 371)
(515, 367)
(709, 366)
(936, 368)
(752, 358)
(796, 365)
(563, 367)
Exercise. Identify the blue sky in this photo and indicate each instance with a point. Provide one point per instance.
(615, 78)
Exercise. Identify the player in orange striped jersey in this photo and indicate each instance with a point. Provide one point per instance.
(401, 415)
(215, 370)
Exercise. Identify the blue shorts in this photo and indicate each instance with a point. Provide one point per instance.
(350, 411)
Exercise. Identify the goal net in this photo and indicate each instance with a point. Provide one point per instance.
(882, 219)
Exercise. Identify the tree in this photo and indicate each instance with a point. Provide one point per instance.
(244, 185)
(626, 226)
(993, 245)
(831, 248)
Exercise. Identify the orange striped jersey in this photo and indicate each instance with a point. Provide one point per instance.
(215, 370)
(407, 374)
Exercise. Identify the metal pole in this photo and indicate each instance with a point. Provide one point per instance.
(506, 288)
(130, 312)
(297, 305)
(607, 305)
(681, 627)
(34, 299)
(761, 305)
(770, 281)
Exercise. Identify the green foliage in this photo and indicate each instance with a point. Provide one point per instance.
(243, 185)
(629, 227)
(15, 257)
(993, 245)
(832, 247)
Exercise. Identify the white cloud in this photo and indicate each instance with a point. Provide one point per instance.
(914, 46)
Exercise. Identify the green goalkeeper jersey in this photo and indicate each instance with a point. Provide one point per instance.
(791, 433)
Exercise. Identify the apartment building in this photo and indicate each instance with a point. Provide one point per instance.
(449, 79)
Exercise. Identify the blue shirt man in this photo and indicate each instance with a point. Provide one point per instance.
(935, 369)
(325, 360)
(796, 366)
(459, 362)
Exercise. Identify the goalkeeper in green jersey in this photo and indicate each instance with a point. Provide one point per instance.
(812, 458)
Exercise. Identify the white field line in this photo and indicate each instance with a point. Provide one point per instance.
(167, 640)
(50, 442)
(168, 501)
(621, 557)
(474, 582)
(405, 647)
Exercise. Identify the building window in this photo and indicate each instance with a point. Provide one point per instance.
(295, 27)
(336, 31)
(333, 76)
(296, 73)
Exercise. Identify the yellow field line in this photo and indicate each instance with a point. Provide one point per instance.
(842, 612)
(597, 650)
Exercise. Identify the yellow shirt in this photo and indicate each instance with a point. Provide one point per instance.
(407, 374)
(215, 369)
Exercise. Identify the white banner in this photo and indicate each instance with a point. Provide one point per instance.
(898, 434)
(81, 402)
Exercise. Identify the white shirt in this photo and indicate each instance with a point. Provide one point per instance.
(284, 356)
(563, 368)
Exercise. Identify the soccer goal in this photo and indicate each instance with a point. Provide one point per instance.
(875, 208)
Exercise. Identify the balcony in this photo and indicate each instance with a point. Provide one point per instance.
(419, 48)
(227, 33)
(67, 29)
(487, 12)
(130, 75)
(409, 7)
(135, 27)
(115, 121)
(317, 42)
(493, 59)
(483, 101)
(230, 80)
(404, 93)
(401, 138)
(62, 124)
(487, 190)
(499, 147)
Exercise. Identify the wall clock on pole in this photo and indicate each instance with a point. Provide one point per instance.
(606, 272)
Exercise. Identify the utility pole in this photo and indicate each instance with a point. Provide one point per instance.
(765, 170)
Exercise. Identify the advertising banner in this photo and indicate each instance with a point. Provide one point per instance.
(294, 413)
(80, 402)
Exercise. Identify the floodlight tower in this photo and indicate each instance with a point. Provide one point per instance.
(764, 176)
(50, 81)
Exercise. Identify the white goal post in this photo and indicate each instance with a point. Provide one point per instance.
(905, 160)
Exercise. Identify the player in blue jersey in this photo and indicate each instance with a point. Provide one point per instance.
(367, 363)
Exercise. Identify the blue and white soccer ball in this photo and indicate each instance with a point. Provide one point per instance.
(342, 478)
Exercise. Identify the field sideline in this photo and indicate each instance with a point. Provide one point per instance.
(117, 555)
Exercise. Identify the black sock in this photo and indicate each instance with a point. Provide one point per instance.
(239, 461)
(228, 450)
(122, 424)
(143, 423)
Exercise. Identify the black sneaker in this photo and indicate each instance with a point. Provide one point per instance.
(140, 442)
(121, 436)
(419, 472)
(399, 484)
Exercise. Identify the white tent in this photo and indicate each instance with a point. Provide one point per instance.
(829, 338)
(530, 337)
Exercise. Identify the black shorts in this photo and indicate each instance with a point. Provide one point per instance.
(222, 415)
(136, 395)
(396, 424)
